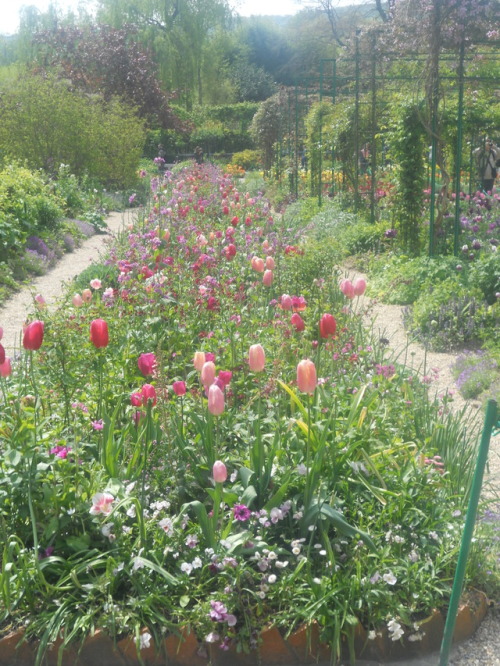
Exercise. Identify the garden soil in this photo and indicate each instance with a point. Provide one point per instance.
(481, 650)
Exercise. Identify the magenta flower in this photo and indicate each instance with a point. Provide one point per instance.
(179, 388)
(147, 363)
(241, 512)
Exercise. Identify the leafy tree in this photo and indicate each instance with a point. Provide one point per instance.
(46, 123)
(267, 126)
(103, 60)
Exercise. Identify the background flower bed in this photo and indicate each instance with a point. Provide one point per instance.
(341, 506)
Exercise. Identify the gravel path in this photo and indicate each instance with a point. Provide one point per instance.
(13, 314)
(481, 650)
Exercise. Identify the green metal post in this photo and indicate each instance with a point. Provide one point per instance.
(334, 94)
(458, 165)
(432, 212)
(489, 423)
(356, 126)
(320, 176)
(373, 162)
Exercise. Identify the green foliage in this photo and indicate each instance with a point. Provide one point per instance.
(266, 126)
(28, 206)
(317, 143)
(408, 141)
(103, 140)
(248, 159)
(485, 274)
(451, 315)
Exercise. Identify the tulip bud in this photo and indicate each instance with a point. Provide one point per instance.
(40, 301)
(179, 388)
(199, 360)
(219, 472)
(136, 399)
(147, 363)
(33, 335)
(267, 278)
(359, 286)
(256, 358)
(99, 335)
(327, 326)
(77, 301)
(215, 400)
(306, 376)
(207, 373)
(297, 322)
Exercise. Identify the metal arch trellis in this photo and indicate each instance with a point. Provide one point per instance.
(366, 81)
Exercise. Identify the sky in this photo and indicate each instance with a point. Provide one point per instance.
(9, 9)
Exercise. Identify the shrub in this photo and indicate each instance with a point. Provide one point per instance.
(474, 372)
(248, 159)
(101, 139)
(448, 316)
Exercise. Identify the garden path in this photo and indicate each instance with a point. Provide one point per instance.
(13, 314)
(483, 649)
(387, 322)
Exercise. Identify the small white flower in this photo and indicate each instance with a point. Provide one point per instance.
(301, 469)
(186, 567)
(271, 578)
(144, 640)
(372, 635)
(197, 563)
(390, 578)
(395, 630)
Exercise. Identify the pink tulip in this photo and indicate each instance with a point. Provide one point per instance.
(219, 472)
(86, 295)
(147, 363)
(359, 286)
(207, 374)
(149, 393)
(347, 288)
(5, 368)
(258, 264)
(256, 358)
(198, 360)
(286, 302)
(179, 388)
(136, 399)
(306, 376)
(297, 322)
(225, 377)
(77, 301)
(215, 400)
(270, 263)
(40, 301)
(267, 278)
(99, 335)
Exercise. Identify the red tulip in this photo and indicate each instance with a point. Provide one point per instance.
(33, 335)
(2, 354)
(219, 472)
(5, 368)
(179, 388)
(149, 393)
(215, 400)
(327, 326)
(297, 322)
(99, 335)
(147, 363)
(306, 376)
(256, 358)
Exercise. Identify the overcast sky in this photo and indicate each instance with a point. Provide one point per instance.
(9, 9)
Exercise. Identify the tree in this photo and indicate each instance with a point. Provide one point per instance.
(103, 60)
(178, 30)
(267, 126)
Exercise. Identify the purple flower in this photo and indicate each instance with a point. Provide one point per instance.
(241, 512)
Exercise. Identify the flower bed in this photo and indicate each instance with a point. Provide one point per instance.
(211, 439)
